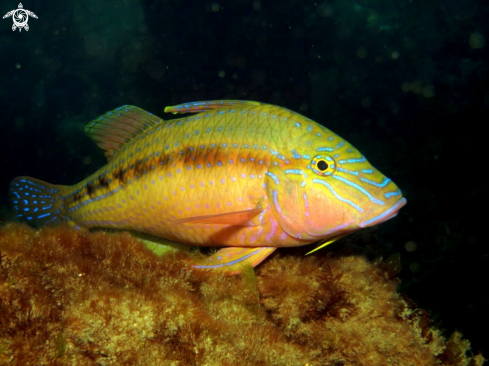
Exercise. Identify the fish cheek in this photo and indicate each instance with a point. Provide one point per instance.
(328, 216)
(320, 211)
(286, 196)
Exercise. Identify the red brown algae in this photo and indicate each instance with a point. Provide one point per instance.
(72, 297)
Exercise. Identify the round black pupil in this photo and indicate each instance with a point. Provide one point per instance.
(322, 165)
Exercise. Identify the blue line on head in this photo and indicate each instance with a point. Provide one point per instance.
(275, 202)
(294, 171)
(390, 194)
(350, 161)
(354, 172)
(274, 177)
(383, 184)
(305, 199)
(359, 188)
(327, 185)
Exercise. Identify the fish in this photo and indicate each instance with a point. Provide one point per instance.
(244, 176)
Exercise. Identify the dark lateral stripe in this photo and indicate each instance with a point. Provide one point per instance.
(137, 168)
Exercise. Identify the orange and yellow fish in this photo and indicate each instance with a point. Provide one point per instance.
(243, 175)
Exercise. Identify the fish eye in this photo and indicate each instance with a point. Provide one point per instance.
(323, 165)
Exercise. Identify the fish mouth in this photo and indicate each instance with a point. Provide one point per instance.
(385, 215)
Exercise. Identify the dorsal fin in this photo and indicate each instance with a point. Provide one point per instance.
(195, 107)
(113, 129)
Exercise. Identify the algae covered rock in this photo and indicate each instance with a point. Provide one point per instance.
(71, 297)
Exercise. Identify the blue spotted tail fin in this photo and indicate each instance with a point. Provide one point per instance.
(35, 201)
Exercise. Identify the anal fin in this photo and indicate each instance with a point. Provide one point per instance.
(232, 260)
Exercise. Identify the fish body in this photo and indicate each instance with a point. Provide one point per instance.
(234, 174)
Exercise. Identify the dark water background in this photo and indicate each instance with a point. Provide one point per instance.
(405, 81)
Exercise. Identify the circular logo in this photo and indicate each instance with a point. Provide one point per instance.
(20, 18)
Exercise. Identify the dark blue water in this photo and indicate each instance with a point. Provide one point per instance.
(407, 82)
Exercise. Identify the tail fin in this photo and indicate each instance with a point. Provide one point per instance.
(36, 201)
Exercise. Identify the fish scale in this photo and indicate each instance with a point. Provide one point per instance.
(234, 174)
(191, 166)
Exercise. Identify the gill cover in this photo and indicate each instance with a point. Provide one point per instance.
(303, 209)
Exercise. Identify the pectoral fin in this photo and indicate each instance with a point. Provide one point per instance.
(232, 260)
(238, 218)
(327, 242)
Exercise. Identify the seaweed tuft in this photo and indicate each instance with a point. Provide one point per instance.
(72, 297)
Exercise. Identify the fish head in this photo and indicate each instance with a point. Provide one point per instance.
(329, 189)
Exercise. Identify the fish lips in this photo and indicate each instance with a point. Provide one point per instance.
(384, 215)
(351, 225)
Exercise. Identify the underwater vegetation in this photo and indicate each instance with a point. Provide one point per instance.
(71, 297)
